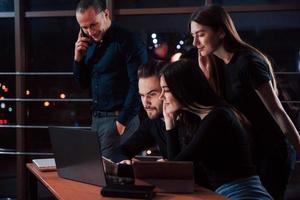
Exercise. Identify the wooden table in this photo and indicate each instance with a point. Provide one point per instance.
(65, 189)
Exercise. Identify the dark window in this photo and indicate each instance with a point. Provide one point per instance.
(58, 113)
(53, 87)
(289, 86)
(7, 108)
(7, 86)
(37, 140)
(6, 5)
(163, 45)
(8, 171)
(283, 53)
(253, 2)
(266, 20)
(268, 32)
(289, 94)
(7, 113)
(156, 3)
(146, 23)
(8, 165)
(43, 5)
(51, 43)
(8, 140)
(7, 47)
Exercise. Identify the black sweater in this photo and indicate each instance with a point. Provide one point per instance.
(150, 133)
(219, 147)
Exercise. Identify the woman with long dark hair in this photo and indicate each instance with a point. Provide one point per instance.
(244, 76)
(202, 128)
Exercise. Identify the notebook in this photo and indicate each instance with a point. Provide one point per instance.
(45, 164)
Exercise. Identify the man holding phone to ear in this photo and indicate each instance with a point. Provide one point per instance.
(106, 61)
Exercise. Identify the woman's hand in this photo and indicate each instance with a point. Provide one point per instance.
(169, 117)
(128, 162)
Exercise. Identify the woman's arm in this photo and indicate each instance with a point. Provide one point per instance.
(173, 145)
(273, 105)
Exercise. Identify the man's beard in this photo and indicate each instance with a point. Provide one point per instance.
(151, 112)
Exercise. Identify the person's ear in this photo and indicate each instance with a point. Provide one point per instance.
(106, 13)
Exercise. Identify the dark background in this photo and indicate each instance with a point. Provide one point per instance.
(49, 43)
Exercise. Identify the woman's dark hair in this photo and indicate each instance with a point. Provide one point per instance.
(189, 86)
(217, 18)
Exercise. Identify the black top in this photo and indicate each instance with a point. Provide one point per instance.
(110, 69)
(243, 74)
(220, 145)
(150, 133)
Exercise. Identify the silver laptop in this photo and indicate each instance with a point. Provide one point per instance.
(77, 155)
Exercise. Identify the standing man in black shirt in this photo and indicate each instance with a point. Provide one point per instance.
(106, 61)
(152, 130)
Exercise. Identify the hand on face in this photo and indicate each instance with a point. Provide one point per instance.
(95, 24)
(170, 105)
(169, 117)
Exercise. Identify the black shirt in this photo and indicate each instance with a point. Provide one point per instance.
(243, 74)
(220, 145)
(150, 133)
(109, 69)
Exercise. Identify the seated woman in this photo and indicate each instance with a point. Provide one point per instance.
(204, 129)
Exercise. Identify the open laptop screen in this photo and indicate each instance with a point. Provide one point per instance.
(77, 155)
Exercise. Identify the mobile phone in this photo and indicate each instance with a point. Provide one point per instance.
(83, 34)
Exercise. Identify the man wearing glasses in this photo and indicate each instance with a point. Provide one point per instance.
(106, 60)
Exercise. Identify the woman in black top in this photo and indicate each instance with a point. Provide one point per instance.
(203, 129)
(244, 76)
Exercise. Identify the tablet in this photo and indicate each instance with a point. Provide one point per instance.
(167, 176)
